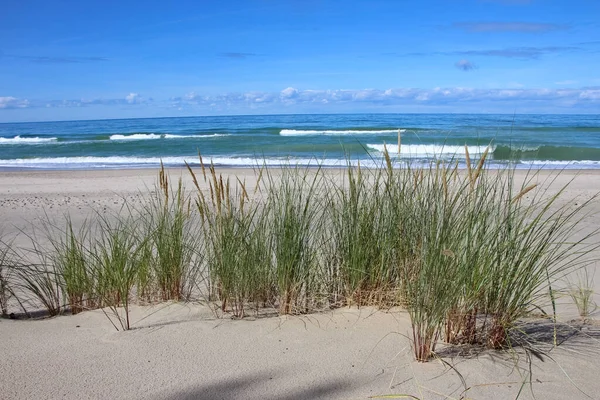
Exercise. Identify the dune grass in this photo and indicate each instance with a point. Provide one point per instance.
(70, 261)
(238, 248)
(467, 252)
(40, 286)
(172, 248)
(359, 222)
(480, 255)
(7, 259)
(294, 216)
(116, 257)
(581, 292)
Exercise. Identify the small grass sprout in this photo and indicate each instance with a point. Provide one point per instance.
(582, 293)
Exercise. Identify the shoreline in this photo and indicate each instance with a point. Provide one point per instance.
(339, 164)
(25, 178)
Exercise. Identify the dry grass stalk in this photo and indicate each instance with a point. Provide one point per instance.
(163, 181)
(524, 192)
(468, 161)
(480, 165)
(193, 175)
(258, 180)
(202, 165)
(388, 160)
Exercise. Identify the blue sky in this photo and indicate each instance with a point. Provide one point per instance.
(64, 60)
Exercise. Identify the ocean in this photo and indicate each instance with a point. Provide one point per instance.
(540, 141)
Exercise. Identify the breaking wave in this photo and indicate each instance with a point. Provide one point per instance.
(294, 132)
(26, 140)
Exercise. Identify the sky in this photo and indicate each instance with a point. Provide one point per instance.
(70, 60)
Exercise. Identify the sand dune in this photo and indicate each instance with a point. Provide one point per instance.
(186, 351)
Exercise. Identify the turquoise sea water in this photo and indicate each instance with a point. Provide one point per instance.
(547, 141)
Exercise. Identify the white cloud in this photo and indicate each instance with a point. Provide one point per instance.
(13, 102)
(292, 100)
(132, 98)
(289, 93)
(590, 94)
(189, 96)
(435, 96)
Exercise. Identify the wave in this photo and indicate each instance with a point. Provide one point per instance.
(169, 136)
(553, 164)
(116, 162)
(135, 136)
(26, 140)
(499, 152)
(132, 162)
(294, 132)
(547, 152)
(429, 150)
(153, 136)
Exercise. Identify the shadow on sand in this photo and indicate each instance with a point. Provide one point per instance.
(263, 385)
(537, 337)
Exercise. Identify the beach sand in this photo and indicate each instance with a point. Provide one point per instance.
(185, 351)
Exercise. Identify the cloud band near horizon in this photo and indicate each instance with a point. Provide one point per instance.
(294, 101)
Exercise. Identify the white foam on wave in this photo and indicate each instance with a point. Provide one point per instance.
(66, 162)
(152, 136)
(574, 164)
(294, 132)
(170, 136)
(526, 148)
(26, 140)
(123, 162)
(146, 162)
(429, 150)
(136, 136)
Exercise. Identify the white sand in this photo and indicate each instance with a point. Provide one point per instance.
(182, 351)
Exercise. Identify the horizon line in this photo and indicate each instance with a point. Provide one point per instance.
(291, 114)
